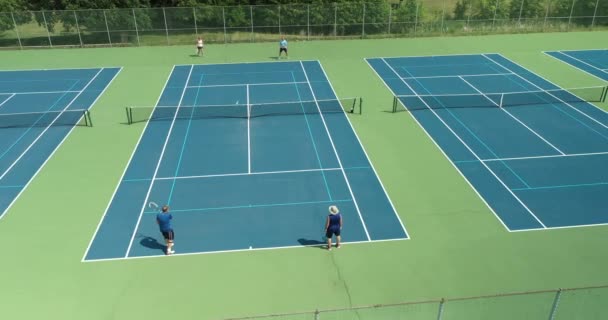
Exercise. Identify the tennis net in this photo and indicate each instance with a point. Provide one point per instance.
(168, 113)
(46, 119)
(500, 100)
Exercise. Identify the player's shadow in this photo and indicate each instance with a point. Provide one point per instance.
(152, 243)
(312, 243)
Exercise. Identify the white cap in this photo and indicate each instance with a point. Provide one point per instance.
(333, 210)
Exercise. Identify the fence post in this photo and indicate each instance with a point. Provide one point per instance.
(597, 3)
(194, 15)
(280, 31)
(571, 11)
(16, 30)
(546, 15)
(107, 27)
(495, 12)
(224, 19)
(558, 295)
(363, 23)
(47, 29)
(136, 30)
(317, 315)
(521, 9)
(440, 312)
(78, 28)
(308, 22)
(251, 20)
(335, 19)
(390, 15)
(416, 18)
(166, 26)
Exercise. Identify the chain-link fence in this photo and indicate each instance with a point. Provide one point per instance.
(587, 303)
(223, 24)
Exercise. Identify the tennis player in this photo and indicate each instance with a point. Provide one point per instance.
(333, 225)
(199, 46)
(283, 47)
(164, 223)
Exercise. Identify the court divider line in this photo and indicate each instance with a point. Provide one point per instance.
(160, 159)
(312, 138)
(183, 148)
(442, 151)
(466, 75)
(572, 66)
(559, 87)
(243, 84)
(124, 172)
(246, 173)
(334, 148)
(241, 250)
(45, 129)
(48, 92)
(262, 205)
(7, 99)
(512, 116)
(2, 214)
(407, 234)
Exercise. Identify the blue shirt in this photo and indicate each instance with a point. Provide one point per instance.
(164, 221)
(334, 221)
(283, 43)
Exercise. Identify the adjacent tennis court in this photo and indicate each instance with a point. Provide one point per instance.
(534, 152)
(594, 62)
(38, 109)
(248, 156)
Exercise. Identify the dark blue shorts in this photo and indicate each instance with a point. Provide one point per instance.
(331, 231)
(168, 235)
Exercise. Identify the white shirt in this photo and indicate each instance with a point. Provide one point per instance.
(199, 43)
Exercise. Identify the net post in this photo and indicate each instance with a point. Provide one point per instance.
(16, 30)
(360, 105)
(129, 117)
(317, 315)
(502, 95)
(558, 295)
(395, 104)
(604, 93)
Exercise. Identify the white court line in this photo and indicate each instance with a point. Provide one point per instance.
(246, 84)
(162, 153)
(254, 62)
(472, 152)
(461, 75)
(335, 152)
(242, 250)
(431, 56)
(571, 65)
(248, 133)
(58, 69)
(565, 227)
(48, 92)
(7, 99)
(368, 158)
(247, 173)
(514, 117)
(47, 128)
(2, 214)
(124, 172)
(530, 82)
(579, 60)
(548, 156)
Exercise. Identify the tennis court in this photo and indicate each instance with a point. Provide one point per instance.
(248, 156)
(534, 152)
(594, 62)
(38, 109)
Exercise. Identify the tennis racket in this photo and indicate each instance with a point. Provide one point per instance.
(152, 205)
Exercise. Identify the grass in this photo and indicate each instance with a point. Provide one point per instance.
(458, 248)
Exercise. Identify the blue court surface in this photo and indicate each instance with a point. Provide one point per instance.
(535, 153)
(38, 109)
(248, 156)
(594, 62)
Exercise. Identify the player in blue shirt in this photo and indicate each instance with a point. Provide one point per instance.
(333, 225)
(283, 47)
(164, 223)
